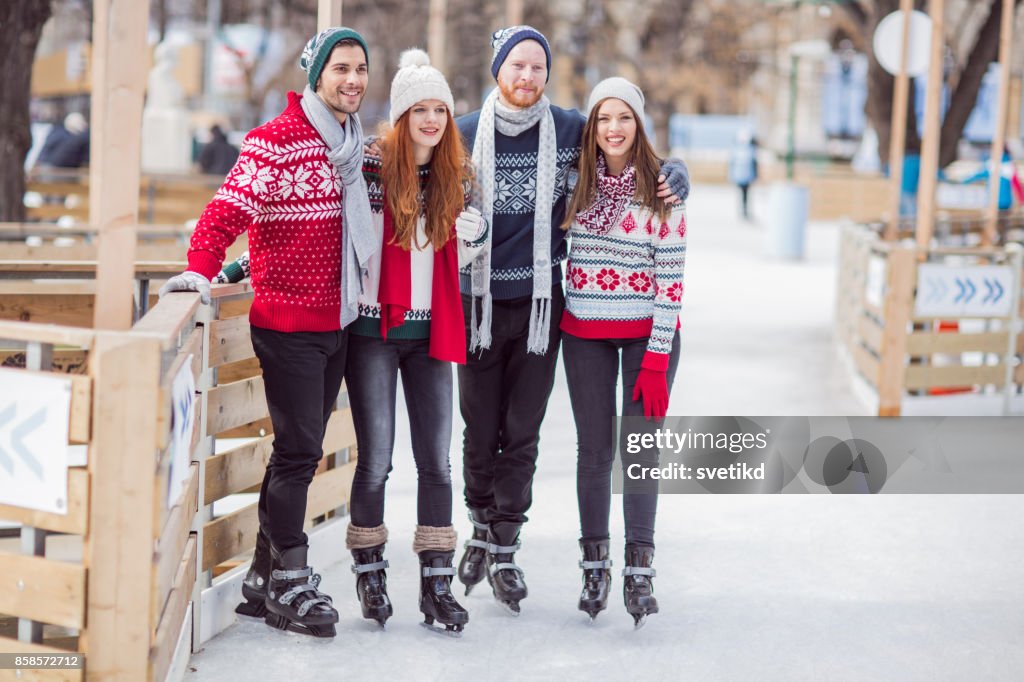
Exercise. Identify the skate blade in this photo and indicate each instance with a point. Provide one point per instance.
(453, 631)
(252, 609)
(639, 620)
(279, 622)
(511, 607)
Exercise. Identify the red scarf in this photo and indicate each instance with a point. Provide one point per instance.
(447, 324)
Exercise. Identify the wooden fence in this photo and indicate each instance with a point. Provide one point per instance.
(913, 361)
(163, 198)
(140, 570)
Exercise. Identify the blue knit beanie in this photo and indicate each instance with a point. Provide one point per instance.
(318, 50)
(503, 40)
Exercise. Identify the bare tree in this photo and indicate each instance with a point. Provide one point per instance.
(980, 48)
(21, 24)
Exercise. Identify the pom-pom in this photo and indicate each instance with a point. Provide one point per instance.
(414, 57)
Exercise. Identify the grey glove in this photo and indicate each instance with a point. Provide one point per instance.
(677, 177)
(188, 281)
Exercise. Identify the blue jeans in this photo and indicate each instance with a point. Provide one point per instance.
(592, 368)
(371, 376)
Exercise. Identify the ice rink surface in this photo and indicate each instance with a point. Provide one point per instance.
(913, 587)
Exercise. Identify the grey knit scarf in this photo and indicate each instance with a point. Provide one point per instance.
(513, 122)
(359, 241)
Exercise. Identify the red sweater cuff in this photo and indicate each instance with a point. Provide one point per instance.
(203, 262)
(657, 362)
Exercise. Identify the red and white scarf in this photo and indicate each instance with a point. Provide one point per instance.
(613, 193)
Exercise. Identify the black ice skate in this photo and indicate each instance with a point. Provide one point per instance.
(254, 586)
(637, 588)
(372, 583)
(597, 578)
(436, 599)
(293, 601)
(505, 577)
(473, 566)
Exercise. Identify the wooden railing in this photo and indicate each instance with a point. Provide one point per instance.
(916, 363)
(144, 571)
(42, 242)
(163, 198)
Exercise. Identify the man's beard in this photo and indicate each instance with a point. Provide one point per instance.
(337, 105)
(523, 101)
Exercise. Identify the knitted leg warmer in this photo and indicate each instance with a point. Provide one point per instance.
(434, 538)
(358, 537)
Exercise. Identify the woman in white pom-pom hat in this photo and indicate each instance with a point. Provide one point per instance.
(411, 322)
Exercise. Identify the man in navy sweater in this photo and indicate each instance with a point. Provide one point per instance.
(524, 149)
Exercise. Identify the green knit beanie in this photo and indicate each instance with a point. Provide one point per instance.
(318, 50)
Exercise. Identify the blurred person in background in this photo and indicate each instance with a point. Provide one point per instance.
(743, 168)
(218, 156)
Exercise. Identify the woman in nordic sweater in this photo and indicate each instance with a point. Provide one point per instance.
(410, 322)
(624, 292)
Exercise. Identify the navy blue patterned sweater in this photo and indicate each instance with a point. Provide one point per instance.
(515, 190)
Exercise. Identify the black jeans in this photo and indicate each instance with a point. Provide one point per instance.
(592, 368)
(372, 380)
(503, 394)
(302, 374)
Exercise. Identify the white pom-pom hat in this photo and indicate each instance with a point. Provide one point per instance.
(416, 81)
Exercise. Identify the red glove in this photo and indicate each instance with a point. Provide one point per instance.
(653, 386)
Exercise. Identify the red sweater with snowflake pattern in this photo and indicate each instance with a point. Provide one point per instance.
(285, 192)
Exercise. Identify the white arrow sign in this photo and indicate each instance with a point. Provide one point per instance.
(969, 291)
(34, 412)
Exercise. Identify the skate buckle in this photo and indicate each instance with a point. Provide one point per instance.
(428, 571)
(366, 568)
(291, 574)
(639, 570)
(503, 549)
(590, 565)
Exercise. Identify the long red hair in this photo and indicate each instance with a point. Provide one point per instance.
(444, 194)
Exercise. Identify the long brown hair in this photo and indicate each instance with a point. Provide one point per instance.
(646, 162)
(443, 196)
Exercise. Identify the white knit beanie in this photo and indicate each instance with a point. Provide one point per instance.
(416, 81)
(619, 88)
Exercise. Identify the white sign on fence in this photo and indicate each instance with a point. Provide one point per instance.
(34, 414)
(183, 415)
(965, 197)
(874, 281)
(967, 291)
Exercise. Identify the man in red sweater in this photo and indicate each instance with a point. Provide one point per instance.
(297, 189)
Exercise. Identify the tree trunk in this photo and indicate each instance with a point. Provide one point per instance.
(881, 85)
(21, 24)
(965, 96)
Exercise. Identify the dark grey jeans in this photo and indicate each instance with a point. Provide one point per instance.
(371, 376)
(592, 368)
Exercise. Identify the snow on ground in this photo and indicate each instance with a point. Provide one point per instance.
(916, 587)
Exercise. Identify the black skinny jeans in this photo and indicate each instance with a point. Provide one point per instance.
(503, 394)
(592, 368)
(302, 374)
(372, 380)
